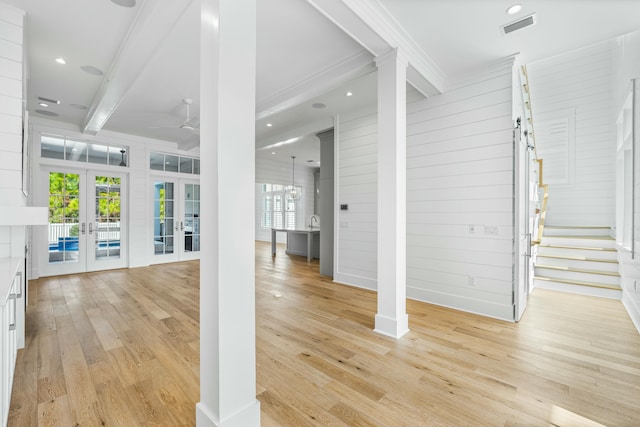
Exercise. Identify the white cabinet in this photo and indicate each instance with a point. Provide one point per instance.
(11, 315)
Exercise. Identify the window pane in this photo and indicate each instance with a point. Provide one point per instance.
(196, 166)
(98, 154)
(76, 151)
(186, 165)
(157, 161)
(171, 163)
(52, 147)
(117, 156)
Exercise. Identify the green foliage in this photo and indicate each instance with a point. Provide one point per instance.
(64, 202)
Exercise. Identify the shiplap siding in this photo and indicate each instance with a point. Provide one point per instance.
(11, 99)
(356, 175)
(279, 172)
(459, 190)
(626, 66)
(580, 82)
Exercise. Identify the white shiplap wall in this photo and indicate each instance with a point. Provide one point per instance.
(279, 172)
(580, 82)
(460, 195)
(11, 98)
(356, 176)
(626, 66)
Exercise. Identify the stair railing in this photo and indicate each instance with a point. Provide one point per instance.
(541, 212)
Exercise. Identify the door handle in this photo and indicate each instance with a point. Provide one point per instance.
(19, 275)
(181, 226)
(176, 226)
(84, 228)
(90, 227)
(12, 325)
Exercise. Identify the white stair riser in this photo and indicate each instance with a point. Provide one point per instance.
(574, 275)
(612, 255)
(577, 289)
(586, 243)
(551, 231)
(572, 263)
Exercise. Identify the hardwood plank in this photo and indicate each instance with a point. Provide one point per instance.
(122, 348)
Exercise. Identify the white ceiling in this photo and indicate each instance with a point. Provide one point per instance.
(296, 47)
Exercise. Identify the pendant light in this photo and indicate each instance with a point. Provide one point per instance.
(292, 191)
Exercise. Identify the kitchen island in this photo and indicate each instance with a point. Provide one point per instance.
(300, 241)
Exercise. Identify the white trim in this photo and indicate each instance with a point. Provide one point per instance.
(578, 289)
(356, 281)
(456, 302)
(632, 309)
(328, 78)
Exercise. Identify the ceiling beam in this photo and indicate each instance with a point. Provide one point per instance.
(316, 84)
(371, 25)
(154, 21)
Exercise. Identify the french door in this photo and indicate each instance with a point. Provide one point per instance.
(87, 223)
(176, 220)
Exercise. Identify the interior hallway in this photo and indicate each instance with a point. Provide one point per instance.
(121, 348)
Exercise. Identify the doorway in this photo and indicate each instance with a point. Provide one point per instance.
(86, 228)
(176, 220)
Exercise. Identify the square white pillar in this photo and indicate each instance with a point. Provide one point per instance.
(227, 265)
(392, 319)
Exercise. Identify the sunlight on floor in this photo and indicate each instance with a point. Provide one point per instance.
(563, 417)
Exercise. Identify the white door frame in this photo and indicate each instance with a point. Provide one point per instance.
(86, 256)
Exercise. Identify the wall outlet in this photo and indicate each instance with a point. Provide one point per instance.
(472, 281)
(491, 229)
(344, 224)
(472, 228)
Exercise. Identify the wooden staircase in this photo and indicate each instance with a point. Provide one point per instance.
(578, 259)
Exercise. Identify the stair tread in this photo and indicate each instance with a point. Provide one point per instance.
(578, 247)
(578, 270)
(578, 282)
(580, 227)
(577, 258)
(578, 236)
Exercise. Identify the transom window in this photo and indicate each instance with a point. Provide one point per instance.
(63, 148)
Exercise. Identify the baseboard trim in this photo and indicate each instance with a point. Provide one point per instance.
(356, 281)
(456, 302)
(632, 309)
(248, 416)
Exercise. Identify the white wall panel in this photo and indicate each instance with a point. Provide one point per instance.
(357, 171)
(460, 174)
(580, 80)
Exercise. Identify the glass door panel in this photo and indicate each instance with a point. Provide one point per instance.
(191, 217)
(164, 222)
(64, 218)
(106, 240)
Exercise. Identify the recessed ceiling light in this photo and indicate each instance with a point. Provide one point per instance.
(273, 152)
(514, 9)
(269, 125)
(92, 70)
(349, 94)
(318, 162)
(318, 105)
(43, 104)
(125, 3)
(61, 61)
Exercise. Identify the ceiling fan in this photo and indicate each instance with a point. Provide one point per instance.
(190, 123)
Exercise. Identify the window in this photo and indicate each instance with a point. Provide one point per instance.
(62, 148)
(555, 139)
(173, 163)
(277, 210)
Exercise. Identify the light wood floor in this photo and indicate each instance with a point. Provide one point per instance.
(121, 348)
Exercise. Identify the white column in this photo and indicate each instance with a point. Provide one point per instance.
(227, 152)
(392, 319)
